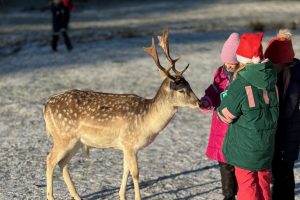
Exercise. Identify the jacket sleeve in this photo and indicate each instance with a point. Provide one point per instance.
(212, 93)
(230, 107)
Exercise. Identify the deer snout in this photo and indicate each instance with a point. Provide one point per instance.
(196, 103)
(199, 103)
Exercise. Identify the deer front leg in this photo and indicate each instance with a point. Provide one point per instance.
(131, 161)
(124, 180)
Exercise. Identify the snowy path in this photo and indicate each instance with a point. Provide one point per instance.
(174, 166)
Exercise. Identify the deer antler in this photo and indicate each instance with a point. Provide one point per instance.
(164, 44)
(153, 53)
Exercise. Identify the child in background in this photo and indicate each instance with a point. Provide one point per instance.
(250, 106)
(211, 101)
(60, 20)
(281, 53)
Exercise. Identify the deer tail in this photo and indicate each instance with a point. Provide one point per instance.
(45, 117)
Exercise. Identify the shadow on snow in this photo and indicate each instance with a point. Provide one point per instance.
(145, 184)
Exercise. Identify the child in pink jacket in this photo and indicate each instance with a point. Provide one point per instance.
(210, 101)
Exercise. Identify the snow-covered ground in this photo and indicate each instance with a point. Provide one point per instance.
(104, 59)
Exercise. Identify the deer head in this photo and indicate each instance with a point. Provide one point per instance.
(175, 87)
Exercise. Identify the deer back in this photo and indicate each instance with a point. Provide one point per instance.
(72, 109)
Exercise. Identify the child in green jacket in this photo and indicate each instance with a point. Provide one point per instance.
(250, 106)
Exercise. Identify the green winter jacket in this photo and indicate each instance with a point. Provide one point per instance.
(250, 105)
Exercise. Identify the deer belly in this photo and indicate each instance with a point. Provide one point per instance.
(99, 137)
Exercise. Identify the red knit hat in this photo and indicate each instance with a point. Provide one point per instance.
(250, 48)
(280, 49)
(69, 4)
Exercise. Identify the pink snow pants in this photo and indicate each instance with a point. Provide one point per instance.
(253, 185)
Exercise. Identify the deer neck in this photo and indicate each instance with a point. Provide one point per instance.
(159, 114)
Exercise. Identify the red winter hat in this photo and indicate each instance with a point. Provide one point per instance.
(280, 49)
(250, 48)
(69, 4)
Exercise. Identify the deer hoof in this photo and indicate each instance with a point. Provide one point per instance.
(50, 198)
(76, 197)
(122, 198)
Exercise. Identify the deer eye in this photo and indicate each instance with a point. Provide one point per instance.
(181, 91)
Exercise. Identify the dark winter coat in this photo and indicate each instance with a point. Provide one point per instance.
(60, 17)
(288, 133)
(251, 108)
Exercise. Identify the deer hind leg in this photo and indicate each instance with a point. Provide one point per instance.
(124, 181)
(130, 157)
(63, 164)
(55, 155)
(50, 167)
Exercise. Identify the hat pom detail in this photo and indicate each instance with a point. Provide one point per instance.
(284, 33)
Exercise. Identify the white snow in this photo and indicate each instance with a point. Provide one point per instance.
(174, 166)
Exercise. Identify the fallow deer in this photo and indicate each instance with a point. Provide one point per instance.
(127, 122)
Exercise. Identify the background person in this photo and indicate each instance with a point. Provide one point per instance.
(60, 21)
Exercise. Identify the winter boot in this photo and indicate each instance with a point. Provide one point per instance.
(229, 184)
(229, 198)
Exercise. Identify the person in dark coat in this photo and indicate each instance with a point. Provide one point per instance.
(60, 21)
(280, 52)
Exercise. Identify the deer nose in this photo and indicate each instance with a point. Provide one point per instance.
(199, 103)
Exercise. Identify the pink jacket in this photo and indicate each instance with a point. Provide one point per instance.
(218, 128)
